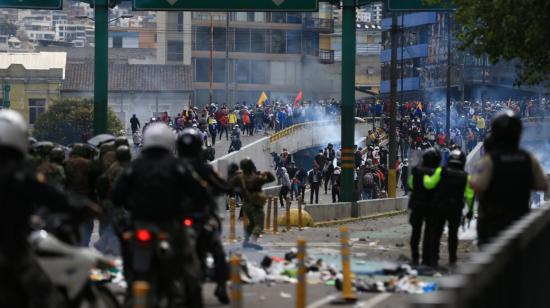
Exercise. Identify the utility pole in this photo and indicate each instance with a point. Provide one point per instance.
(348, 99)
(448, 106)
(227, 58)
(392, 175)
(402, 100)
(211, 58)
(101, 66)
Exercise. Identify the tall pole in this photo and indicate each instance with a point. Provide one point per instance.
(101, 66)
(448, 106)
(227, 58)
(348, 99)
(402, 60)
(211, 58)
(392, 176)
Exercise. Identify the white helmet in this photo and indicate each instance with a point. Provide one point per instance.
(159, 135)
(13, 131)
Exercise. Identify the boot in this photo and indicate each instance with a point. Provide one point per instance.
(221, 294)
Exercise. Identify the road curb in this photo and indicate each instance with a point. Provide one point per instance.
(350, 220)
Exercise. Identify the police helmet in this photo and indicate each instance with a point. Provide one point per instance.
(190, 143)
(13, 131)
(79, 149)
(506, 129)
(158, 135)
(457, 158)
(120, 141)
(57, 155)
(123, 154)
(431, 158)
(247, 165)
(106, 147)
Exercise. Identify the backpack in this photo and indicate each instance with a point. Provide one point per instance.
(368, 180)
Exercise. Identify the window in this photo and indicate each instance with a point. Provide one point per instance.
(260, 72)
(202, 70)
(180, 21)
(219, 39)
(258, 40)
(278, 17)
(218, 70)
(277, 41)
(293, 42)
(117, 42)
(202, 38)
(243, 71)
(242, 40)
(175, 51)
(37, 106)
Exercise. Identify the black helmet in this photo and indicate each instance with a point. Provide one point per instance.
(506, 129)
(247, 165)
(123, 154)
(79, 149)
(57, 155)
(457, 159)
(431, 158)
(189, 143)
(120, 141)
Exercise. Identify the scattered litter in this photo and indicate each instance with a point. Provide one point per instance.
(286, 295)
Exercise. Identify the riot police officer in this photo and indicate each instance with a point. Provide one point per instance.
(504, 178)
(451, 188)
(249, 185)
(22, 189)
(152, 189)
(420, 205)
(190, 149)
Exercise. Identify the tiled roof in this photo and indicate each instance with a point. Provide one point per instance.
(130, 77)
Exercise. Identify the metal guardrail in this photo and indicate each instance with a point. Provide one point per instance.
(511, 272)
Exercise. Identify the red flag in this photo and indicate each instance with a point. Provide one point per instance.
(298, 99)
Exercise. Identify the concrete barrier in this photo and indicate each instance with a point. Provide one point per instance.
(342, 210)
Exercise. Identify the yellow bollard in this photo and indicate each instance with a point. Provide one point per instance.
(300, 223)
(275, 214)
(267, 225)
(287, 199)
(236, 290)
(301, 286)
(347, 292)
(232, 236)
(140, 292)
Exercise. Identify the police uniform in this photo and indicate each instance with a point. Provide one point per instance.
(513, 171)
(451, 189)
(421, 211)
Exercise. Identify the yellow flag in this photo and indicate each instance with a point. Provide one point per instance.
(263, 98)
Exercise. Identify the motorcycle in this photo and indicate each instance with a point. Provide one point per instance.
(154, 256)
(69, 269)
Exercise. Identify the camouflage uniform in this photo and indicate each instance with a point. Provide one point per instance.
(250, 187)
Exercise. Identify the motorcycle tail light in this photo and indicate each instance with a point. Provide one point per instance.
(143, 235)
(188, 222)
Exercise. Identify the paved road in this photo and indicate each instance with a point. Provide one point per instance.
(376, 243)
(222, 145)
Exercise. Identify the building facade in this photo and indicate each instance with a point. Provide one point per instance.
(252, 52)
(422, 55)
(35, 81)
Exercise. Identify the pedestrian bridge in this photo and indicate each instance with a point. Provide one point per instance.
(295, 138)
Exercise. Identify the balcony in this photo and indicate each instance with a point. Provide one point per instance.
(321, 25)
(326, 56)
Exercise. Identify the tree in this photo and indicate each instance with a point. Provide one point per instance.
(71, 120)
(509, 30)
(7, 28)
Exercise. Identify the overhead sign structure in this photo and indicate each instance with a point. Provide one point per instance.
(225, 5)
(417, 5)
(32, 4)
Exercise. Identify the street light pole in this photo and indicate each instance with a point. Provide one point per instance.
(348, 98)
(101, 66)
(392, 174)
(448, 106)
